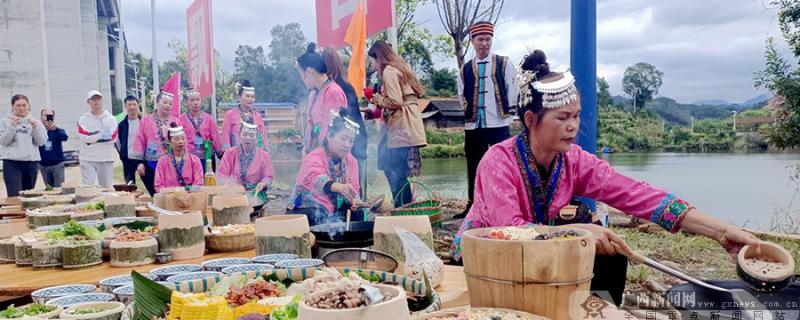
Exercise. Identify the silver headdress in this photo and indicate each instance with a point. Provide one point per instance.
(176, 131)
(167, 94)
(558, 93)
(248, 126)
(192, 92)
(238, 85)
(349, 124)
(524, 78)
(555, 94)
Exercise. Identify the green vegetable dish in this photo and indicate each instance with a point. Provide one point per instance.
(95, 206)
(288, 311)
(74, 229)
(30, 310)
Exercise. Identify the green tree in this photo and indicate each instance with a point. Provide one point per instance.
(250, 63)
(789, 21)
(415, 52)
(288, 42)
(783, 78)
(642, 81)
(603, 95)
(179, 64)
(283, 83)
(441, 82)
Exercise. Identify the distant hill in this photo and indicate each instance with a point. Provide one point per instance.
(672, 111)
(759, 100)
(712, 103)
(675, 112)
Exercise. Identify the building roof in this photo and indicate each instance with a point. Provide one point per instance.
(448, 107)
(426, 115)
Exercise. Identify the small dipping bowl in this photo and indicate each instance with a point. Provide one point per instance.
(763, 278)
(163, 257)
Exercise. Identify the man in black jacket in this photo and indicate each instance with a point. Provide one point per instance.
(127, 135)
(52, 152)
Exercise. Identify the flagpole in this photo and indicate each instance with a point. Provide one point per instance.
(392, 32)
(156, 87)
(213, 69)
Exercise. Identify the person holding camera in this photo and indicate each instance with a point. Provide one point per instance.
(52, 152)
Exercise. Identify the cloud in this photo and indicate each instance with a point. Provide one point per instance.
(707, 49)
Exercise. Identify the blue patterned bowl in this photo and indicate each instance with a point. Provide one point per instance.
(219, 264)
(194, 276)
(47, 294)
(263, 268)
(299, 263)
(72, 300)
(109, 284)
(164, 272)
(274, 258)
(125, 293)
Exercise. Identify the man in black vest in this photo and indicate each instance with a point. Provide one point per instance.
(487, 91)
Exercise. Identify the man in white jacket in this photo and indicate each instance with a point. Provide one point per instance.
(97, 131)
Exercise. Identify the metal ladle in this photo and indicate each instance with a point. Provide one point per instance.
(741, 296)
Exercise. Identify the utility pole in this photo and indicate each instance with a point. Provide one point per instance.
(156, 86)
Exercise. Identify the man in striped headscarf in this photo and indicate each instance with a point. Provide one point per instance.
(486, 90)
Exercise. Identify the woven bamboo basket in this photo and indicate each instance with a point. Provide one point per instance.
(231, 242)
(431, 207)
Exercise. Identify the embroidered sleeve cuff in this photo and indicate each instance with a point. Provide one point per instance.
(455, 249)
(322, 181)
(327, 187)
(670, 213)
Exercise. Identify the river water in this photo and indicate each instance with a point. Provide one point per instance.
(745, 189)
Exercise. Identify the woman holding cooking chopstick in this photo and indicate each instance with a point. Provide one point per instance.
(327, 186)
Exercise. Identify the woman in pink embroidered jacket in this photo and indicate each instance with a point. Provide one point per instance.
(327, 185)
(202, 135)
(151, 140)
(527, 179)
(178, 168)
(325, 97)
(247, 165)
(243, 112)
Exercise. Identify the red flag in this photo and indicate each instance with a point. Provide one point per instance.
(173, 86)
(199, 47)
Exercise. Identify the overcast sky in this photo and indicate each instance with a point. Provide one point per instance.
(707, 49)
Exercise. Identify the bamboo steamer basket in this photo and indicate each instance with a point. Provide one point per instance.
(288, 233)
(394, 309)
(231, 242)
(231, 209)
(550, 278)
(189, 228)
(214, 191)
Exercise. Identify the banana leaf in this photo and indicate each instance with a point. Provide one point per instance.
(150, 298)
